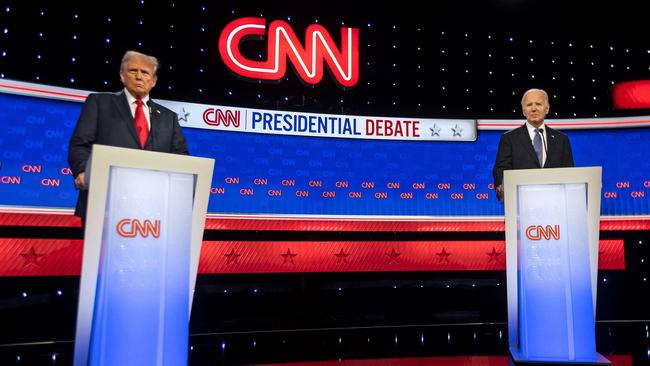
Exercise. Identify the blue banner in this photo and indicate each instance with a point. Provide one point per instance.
(283, 174)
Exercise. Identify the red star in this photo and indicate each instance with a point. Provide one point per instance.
(31, 257)
(393, 256)
(494, 255)
(232, 257)
(341, 256)
(288, 256)
(443, 256)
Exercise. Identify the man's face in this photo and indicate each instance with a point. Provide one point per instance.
(535, 108)
(138, 77)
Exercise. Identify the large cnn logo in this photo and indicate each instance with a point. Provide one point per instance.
(282, 44)
(537, 232)
(130, 228)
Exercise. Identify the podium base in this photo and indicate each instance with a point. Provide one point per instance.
(517, 359)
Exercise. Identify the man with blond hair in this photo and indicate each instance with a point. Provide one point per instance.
(533, 145)
(128, 118)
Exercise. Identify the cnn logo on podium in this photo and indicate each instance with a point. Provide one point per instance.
(130, 228)
(548, 232)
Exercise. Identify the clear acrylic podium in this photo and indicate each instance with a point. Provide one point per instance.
(552, 230)
(142, 241)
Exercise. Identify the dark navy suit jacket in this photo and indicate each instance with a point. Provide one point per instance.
(106, 120)
(516, 152)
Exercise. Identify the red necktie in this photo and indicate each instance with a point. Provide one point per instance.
(141, 123)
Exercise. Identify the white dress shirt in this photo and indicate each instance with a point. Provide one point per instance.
(531, 133)
(134, 104)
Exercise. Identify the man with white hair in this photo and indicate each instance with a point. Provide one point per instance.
(533, 145)
(127, 119)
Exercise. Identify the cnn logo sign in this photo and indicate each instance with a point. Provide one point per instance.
(537, 232)
(283, 44)
(130, 228)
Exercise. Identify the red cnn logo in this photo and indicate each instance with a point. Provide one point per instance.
(216, 117)
(129, 228)
(282, 44)
(537, 232)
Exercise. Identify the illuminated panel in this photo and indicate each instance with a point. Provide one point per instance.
(140, 310)
(632, 94)
(556, 307)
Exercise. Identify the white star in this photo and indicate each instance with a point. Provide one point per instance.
(183, 116)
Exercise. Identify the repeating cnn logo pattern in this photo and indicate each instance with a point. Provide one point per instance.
(283, 43)
(130, 228)
(537, 232)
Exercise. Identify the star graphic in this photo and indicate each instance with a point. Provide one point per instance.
(443, 256)
(232, 257)
(31, 257)
(393, 256)
(288, 257)
(183, 116)
(457, 130)
(435, 130)
(341, 256)
(494, 255)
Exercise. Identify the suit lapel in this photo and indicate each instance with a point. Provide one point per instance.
(154, 118)
(122, 106)
(551, 141)
(524, 140)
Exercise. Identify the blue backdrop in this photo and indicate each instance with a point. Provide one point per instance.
(274, 174)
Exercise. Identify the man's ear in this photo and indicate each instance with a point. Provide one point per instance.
(122, 77)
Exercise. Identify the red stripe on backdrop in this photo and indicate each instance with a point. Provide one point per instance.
(40, 257)
(65, 219)
(410, 361)
(355, 224)
(611, 254)
(49, 257)
(36, 219)
(610, 223)
(631, 94)
(371, 256)
(33, 91)
(617, 360)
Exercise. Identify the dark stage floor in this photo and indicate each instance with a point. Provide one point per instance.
(624, 343)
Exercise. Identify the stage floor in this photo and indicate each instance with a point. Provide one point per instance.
(624, 343)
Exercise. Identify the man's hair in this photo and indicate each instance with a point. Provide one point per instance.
(131, 55)
(523, 97)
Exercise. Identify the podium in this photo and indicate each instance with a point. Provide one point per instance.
(142, 241)
(552, 230)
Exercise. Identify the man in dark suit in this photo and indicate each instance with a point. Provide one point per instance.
(127, 119)
(533, 145)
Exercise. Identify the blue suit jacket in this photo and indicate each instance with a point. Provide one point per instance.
(106, 119)
(516, 152)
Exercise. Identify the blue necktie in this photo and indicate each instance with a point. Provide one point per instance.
(537, 145)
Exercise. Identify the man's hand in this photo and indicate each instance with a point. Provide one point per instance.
(498, 189)
(80, 181)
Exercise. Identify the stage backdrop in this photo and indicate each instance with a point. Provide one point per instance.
(288, 163)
